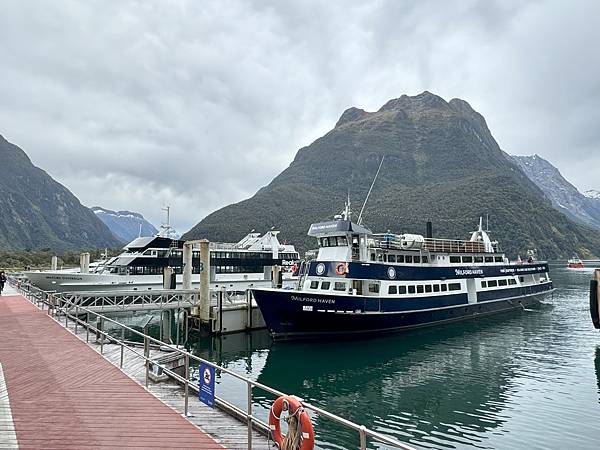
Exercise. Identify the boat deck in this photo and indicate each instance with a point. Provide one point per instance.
(58, 392)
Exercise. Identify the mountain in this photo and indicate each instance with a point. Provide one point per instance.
(36, 212)
(441, 163)
(125, 224)
(564, 196)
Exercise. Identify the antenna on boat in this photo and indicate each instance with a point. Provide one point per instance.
(370, 189)
(165, 228)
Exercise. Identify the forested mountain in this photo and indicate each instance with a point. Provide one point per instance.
(37, 212)
(441, 163)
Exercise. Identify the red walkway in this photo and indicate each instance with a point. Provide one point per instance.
(65, 395)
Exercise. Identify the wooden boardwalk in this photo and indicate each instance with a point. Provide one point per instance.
(63, 394)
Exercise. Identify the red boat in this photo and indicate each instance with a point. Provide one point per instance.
(575, 263)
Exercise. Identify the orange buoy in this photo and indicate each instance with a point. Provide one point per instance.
(341, 268)
(294, 408)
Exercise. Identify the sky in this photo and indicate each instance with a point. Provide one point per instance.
(197, 104)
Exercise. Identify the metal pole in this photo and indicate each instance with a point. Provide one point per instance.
(146, 356)
(102, 335)
(187, 382)
(249, 388)
(87, 327)
(363, 438)
(177, 318)
(76, 318)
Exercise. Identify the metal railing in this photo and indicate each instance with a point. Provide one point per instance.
(74, 312)
(396, 242)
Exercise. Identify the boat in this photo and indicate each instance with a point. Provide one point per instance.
(575, 263)
(233, 266)
(365, 283)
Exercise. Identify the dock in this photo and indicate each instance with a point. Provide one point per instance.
(57, 391)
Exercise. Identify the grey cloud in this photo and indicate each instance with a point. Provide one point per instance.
(198, 104)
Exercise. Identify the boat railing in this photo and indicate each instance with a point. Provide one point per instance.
(395, 242)
(80, 316)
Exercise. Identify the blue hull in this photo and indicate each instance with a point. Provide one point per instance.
(299, 315)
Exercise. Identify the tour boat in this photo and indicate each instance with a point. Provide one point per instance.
(233, 266)
(575, 263)
(365, 283)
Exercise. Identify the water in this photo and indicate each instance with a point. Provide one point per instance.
(528, 379)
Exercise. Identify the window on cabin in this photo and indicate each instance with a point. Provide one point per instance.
(380, 257)
(498, 258)
(512, 281)
(444, 287)
(522, 279)
(391, 258)
(374, 288)
(427, 288)
(314, 284)
(419, 289)
(424, 259)
(492, 283)
(402, 290)
(372, 256)
(484, 284)
(454, 286)
(325, 285)
(478, 259)
(467, 259)
(436, 288)
(408, 259)
(412, 290)
(455, 259)
(417, 259)
(342, 241)
(400, 258)
(502, 282)
(339, 286)
(392, 290)
(489, 259)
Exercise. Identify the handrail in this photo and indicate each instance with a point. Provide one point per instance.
(47, 298)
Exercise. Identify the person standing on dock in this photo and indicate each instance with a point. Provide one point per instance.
(2, 281)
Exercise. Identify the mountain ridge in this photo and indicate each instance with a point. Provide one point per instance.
(125, 225)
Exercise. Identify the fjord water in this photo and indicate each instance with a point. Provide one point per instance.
(528, 379)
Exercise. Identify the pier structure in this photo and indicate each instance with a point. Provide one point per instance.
(229, 425)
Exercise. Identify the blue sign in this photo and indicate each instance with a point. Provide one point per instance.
(207, 385)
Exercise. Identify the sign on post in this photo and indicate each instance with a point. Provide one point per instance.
(207, 385)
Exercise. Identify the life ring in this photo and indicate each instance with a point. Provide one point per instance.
(294, 269)
(293, 406)
(341, 268)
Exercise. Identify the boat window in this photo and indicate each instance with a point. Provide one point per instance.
(342, 241)
(419, 289)
(380, 257)
(467, 259)
(391, 258)
(314, 284)
(424, 259)
(498, 258)
(454, 286)
(325, 285)
(401, 289)
(522, 279)
(478, 259)
(427, 288)
(384, 258)
(484, 284)
(444, 287)
(339, 286)
(400, 258)
(417, 259)
(411, 289)
(512, 281)
(374, 288)
(489, 259)
(492, 283)
(392, 290)
(408, 258)
(455, 259)
(372, 256)
(436, 288)
(502, 282)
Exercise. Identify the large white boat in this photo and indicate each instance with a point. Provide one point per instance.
(233, 266)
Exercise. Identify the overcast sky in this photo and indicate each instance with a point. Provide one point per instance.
(197, 104)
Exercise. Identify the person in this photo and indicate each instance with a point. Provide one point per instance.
(2, 281)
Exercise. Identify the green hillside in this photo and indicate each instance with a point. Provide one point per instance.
(441, 164)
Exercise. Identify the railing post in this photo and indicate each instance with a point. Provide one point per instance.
(102, 335)
(146, 356)
(187, 384)
(87, 327)
(249, 388)
(76, 318)
(363, 438)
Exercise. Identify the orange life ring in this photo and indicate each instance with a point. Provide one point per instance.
(293, 406)
(341, 268)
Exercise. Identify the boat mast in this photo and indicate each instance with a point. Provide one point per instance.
(370, 189)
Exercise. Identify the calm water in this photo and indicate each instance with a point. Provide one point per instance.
(529, 379)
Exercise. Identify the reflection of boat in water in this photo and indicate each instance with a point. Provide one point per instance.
(575, 263)
(365, 283)
(449, 384)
